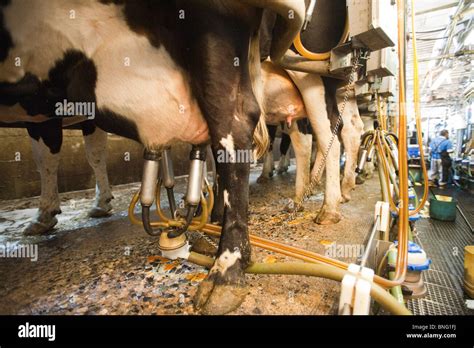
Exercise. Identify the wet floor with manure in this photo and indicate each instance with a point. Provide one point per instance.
(108, 266)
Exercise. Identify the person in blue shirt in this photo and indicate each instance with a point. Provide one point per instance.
(440, 148)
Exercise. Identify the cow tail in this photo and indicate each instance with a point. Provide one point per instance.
(260, 135)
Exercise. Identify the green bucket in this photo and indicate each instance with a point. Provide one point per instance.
(441, 210)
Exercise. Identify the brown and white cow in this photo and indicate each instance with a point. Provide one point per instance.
(159, 72)
(282, 102)
(293, 95)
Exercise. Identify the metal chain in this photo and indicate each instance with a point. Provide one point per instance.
(202, 235)
(315, 180)
(209, 240)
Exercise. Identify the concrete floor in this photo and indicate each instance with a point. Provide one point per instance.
(108, 266)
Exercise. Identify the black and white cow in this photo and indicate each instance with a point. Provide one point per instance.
(46, 141)
(269, 169)
(159, 72)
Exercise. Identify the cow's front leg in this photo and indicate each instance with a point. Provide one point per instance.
(329, 213)
(46, 140)
(95, 142)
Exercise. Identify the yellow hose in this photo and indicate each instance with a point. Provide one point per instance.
(198, 222)
(379, 294)
(319, 56)
(402, 255)
(416, 98)
(416, 92)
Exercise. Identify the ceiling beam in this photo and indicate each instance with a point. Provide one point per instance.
(439, 8)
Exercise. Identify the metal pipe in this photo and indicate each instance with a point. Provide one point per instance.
(149, 177)
(167, 177)
(370, 156)
(361, 164)
(447, 56)
(195, 179)
(438, 8)
(363, 261)
(465, 218)
(309, 14)
(195, 184)
(167, 172)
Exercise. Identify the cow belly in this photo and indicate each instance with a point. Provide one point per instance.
(282, 100)
(146, 86)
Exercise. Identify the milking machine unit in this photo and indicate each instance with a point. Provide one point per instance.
(157, 171)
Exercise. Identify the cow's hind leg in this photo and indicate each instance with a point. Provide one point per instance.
(46, 140)
(350, 134)
(95, 142)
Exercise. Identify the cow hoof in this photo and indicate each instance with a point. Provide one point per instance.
(221, 293)
(99, 212)
(282, 170)
(327, 217)
(290, 207)
(359, 180)
(263, 179)
(203, 246)
(346, 197)
(36, 228)
(214, 299)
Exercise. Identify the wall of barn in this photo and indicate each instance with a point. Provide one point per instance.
(19, 177)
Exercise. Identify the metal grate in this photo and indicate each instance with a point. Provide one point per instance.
(444, 243)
